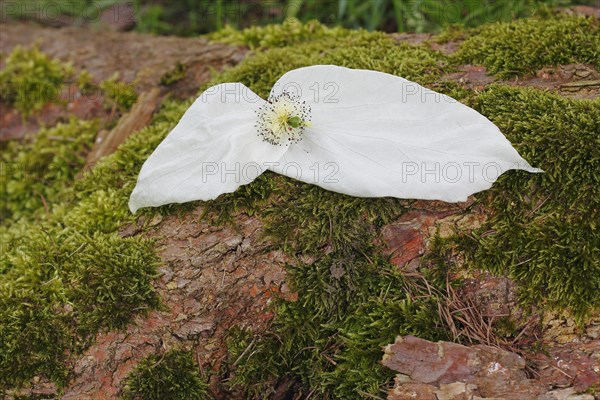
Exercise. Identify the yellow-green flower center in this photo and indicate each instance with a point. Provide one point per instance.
(283, 118)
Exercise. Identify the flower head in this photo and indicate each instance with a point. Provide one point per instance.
(283, 118)
(375, 135)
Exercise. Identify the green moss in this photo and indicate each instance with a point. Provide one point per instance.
(453, 33)
(118, 94)
(543, 229)
(308, 219)
(85, 82)
(174, 75)
(329, 340)
(31, 79)
(59, 287)
(67, 274)
(440, 261)
(36, 172)
(290, 32)
(356, 50)
(524, 46)
(172, 375)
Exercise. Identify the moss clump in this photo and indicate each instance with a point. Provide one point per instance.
(170, 376)
(31, 79)
(85, 82)
(308, 219)
(454, 32)
(329, 340)
(59, 287)
(173, 76)
(301, 218)
(543, 229)
(36, 173)
(526, 45)
(290, 32)
(68, 274)
(369, 51)
(118, 94)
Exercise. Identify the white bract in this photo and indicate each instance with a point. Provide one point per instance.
(359, 132)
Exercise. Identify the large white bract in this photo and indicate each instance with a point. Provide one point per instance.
(359, 132)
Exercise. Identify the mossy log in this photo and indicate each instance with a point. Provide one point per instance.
(281, 289)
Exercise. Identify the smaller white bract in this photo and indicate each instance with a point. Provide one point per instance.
(358, 132)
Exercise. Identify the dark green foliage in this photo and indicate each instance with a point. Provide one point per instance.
(31, 79)
(169, 376)
(543, 229)
(37, 172)
(525, 46)
(329, 340)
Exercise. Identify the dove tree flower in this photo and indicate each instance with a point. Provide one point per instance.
(358, 132)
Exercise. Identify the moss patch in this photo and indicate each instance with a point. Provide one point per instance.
(31, 79)
(543, 229)
(67, 274)
(369, 51)
(308, 219)
(59, 287)
(527, 45)
(170, 376)
(290, 32)
(118, 94)
(37, 172)
(174, 75)
(329, 340)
